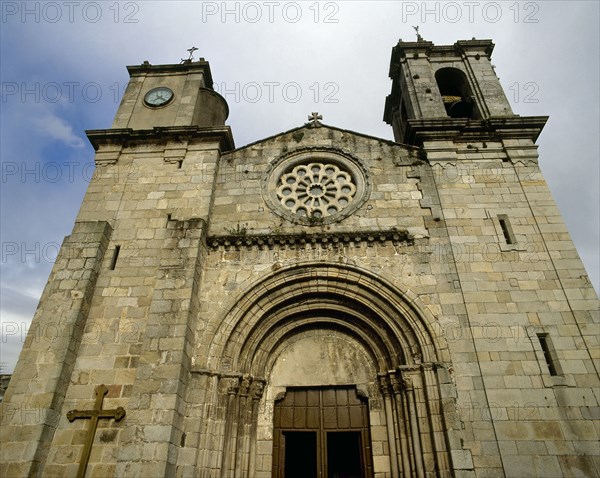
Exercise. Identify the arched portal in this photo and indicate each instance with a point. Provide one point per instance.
(329, 325)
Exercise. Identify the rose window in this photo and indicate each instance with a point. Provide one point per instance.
(315, 190)
(315, 186)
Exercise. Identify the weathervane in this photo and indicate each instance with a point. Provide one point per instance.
(419, 37)
(191, 57)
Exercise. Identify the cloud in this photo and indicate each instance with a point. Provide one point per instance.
(58, 129)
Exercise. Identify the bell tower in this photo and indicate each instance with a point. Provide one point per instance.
(515, 265)
(447, 88)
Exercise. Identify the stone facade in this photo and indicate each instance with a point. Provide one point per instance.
(431, 279)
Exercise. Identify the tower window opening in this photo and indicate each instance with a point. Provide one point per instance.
(509, 236)
(549, 354)
(456, 93)
(115, 257)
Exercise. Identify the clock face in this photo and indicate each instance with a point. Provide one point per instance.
(158, 96)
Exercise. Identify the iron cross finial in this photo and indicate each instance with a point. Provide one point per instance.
(191, 57)
(315, 117)
(419, 37)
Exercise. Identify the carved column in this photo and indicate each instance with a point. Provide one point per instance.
(432, 399)
(398, 389)
(256, 392)
(241, 438)
(240, 417)
(414, 426)
(390, 419)
(231, 386)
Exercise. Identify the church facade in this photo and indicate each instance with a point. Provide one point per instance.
(317, 303)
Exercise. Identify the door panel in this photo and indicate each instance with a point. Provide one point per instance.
(328, 427)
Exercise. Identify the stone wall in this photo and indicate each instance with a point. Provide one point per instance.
(513, 290)
(192, 297)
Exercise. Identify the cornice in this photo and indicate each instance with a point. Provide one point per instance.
(129, 137)
(460, 129)
(425, 48)
(185, 66)
(239, 241)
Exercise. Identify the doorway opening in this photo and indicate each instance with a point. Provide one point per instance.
(322, 432)
(343, 455)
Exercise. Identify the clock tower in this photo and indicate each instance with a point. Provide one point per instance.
(171, 95)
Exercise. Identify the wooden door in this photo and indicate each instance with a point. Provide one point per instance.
(322, 432)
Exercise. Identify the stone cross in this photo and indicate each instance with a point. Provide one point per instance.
(315, 117)
(94, 415)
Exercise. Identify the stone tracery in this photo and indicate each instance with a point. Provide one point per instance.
(316, 189)
(313, 186)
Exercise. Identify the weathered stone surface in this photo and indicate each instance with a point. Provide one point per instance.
(440, 292)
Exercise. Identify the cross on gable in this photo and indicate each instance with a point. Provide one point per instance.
(315, 117)
(94, 415)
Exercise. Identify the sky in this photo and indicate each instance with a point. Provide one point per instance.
(62, 71)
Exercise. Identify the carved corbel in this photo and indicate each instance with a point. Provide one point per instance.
(245, 385)
(397, 383)
(257, 388)
(384, 385)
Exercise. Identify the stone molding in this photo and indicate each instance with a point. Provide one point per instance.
(232, 241)
(161, 134)
(201, 66)
(462, 129)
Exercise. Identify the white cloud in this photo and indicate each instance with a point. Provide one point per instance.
(58, 129)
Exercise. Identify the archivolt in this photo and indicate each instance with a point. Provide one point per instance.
(389, 323)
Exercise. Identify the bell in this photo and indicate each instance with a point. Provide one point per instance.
(449, 99)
